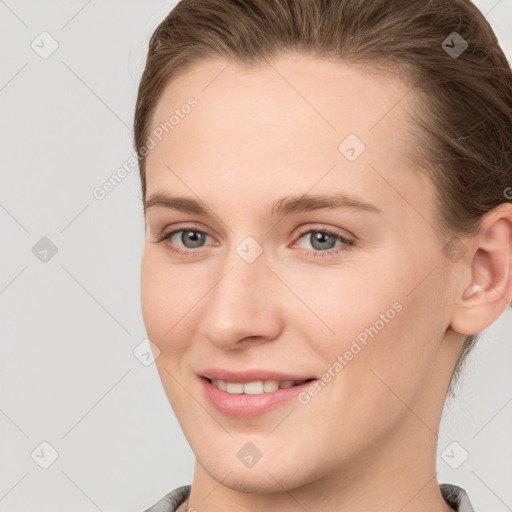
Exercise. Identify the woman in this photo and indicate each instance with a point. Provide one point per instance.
(308, 377)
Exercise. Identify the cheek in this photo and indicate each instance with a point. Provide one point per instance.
(172, 298)
(384, 334)
(348, 304)
(161, 299)
(153, 302)
(165, 317)
(397, 356)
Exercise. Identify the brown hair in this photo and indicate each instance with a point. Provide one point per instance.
(464, 102)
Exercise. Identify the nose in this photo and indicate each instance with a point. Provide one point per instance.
(242, 305)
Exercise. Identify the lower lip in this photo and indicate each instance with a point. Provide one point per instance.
(241, 405)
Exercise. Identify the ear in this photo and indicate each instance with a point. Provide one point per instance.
(488, 292)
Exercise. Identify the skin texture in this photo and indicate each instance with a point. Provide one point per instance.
(368, 440)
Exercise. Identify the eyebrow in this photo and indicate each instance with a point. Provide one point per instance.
(280, 208)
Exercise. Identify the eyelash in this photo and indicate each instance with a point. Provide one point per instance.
(316, 253)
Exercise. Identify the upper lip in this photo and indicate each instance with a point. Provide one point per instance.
(250, 375)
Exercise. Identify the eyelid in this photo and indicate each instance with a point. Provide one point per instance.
(176, 228)
(322, 228)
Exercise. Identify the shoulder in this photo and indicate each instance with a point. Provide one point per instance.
(456, 497)
(170, 502)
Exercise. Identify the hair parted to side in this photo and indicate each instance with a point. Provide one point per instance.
(464, 104)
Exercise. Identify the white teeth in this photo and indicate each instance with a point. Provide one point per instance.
(234, 387)
(270, 385)
(255, 388)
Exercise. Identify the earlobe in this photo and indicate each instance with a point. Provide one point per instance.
(489, 291)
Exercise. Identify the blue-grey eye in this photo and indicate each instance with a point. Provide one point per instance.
(191, 239)
(321, 240)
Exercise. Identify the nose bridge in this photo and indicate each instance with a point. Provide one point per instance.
(242, 302)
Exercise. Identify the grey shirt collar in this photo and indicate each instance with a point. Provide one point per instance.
(454, 495)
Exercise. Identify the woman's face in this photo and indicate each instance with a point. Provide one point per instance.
(269, 284)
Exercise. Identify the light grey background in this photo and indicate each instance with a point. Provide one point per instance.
(69, 326)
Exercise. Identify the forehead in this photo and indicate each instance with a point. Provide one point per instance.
(302, 93)
(287, 122)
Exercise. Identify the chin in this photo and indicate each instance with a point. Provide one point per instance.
(254, 483)
(270, 476)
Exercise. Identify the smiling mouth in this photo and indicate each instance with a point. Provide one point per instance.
(257, 387)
